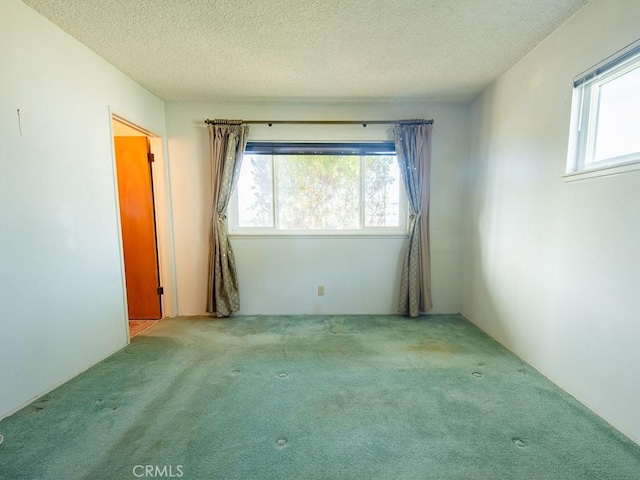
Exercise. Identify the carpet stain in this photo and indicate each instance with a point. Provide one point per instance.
(342, 326)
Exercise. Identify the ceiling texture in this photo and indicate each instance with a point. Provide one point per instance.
(300, 50)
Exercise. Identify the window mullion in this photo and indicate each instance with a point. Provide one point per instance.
(592, 125)
(275, 192)
(361, 200)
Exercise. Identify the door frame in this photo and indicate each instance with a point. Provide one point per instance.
(162, 211)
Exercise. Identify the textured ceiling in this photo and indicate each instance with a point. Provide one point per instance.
(197, 50)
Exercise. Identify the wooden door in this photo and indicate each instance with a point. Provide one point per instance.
(137, 217)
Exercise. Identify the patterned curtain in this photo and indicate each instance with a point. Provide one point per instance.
(413, 149)
(228, 140)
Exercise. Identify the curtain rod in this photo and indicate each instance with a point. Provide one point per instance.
(364, 123)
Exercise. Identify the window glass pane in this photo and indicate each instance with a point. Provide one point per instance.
(618, 117)
(255, 197)
(318, 192)
(381, 191)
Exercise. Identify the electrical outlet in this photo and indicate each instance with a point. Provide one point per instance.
(320, 290)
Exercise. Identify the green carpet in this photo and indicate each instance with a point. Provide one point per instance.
(313, 397)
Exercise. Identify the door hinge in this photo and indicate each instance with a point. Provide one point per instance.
(151, 157)
(160, 290)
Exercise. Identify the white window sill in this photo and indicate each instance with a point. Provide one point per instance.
(312, 236)
(602, 171)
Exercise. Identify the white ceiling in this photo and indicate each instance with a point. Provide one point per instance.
(363, 50)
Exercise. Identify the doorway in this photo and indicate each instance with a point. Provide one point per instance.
(134, 164)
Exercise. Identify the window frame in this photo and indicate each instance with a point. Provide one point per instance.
(334, 148)
(584, 118)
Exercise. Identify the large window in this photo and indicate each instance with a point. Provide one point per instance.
(606, 114)
(319, 189)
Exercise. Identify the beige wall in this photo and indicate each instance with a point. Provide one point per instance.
(62, 295)
(551, 268)
(281, 275)
(123, 130)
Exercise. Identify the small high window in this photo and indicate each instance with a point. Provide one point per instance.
(319, 189)
(606, 115)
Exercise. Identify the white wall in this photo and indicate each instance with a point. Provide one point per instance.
(551, 269)
(281, 275)
(61, 286)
